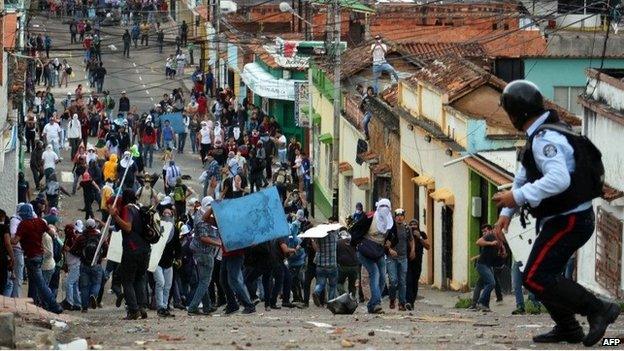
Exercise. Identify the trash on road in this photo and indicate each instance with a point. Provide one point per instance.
(319, 324)
(346, 343)
(78, 344)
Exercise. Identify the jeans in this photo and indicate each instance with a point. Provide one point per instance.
(90, 280)
(367, 117)
(133, 278)
(414, 269)
(56, 144)
(281, 155)
(163, 278)
(126, 50)
(99, 85)
(397, 272)
(14, 286)
(169, 144)
(325, 275)
(35, 277)
(375, 269)
(148, 154)
(47, 276)
(378, 69)
(487, 275)
(205, 264)
(349, 273)
(111, 269)
(181, 142)
(296, 275)
(516, 282)
(233, 283)
(193, 137)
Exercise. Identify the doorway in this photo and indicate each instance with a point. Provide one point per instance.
(447, 246)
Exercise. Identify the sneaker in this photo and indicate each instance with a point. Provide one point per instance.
(288, 305)
(401, 307)
(482, 308)
(316, 299)
(228, 312)
(92, 302)
(276, 307)
(66, 305)
(162, 313)
(519, 310)
(376, 310)
(408, 306)
(256, 301)
(132, 316)
(143, 313)
(249, 310)
(169, 312)
(392, 304)
(195, 313)
(179, 306)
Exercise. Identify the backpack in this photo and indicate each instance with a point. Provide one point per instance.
(90, 248)
(151, 231)
(359, 229)
(110, 104)
(178, 193)
(68, 70)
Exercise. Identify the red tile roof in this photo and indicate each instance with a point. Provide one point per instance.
(383, 168)
(610, 194)
(433, 50)
(390, 95)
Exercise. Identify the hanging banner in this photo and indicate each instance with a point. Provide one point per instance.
(302, 107)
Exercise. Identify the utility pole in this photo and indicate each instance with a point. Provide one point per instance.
(217, 27)
(337, 107)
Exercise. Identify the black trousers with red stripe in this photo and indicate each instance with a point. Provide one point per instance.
(558, 240)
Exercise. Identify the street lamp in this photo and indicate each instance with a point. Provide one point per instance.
(285, 7)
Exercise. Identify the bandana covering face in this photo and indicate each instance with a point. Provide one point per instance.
(383, 215)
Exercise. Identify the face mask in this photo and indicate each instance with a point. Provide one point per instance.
(167, 219)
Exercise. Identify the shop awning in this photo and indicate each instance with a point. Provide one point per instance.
(443, 195)
(264, 84)
(326, 138)
(423, 180)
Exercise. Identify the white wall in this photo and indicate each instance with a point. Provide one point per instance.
(432, 105)
(8, 184)
(349, 136)
(428, 159)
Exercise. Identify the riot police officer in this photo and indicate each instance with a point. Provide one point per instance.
(547, 185)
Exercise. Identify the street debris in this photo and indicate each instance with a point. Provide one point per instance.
(78, 344)
(58, 325)
(167, 337)
(390, 331)
(346, 343)
(320, 324)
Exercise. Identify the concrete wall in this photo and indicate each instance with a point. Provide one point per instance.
(325, 108)
(348, 192)
(548, 73)
(428, 158)
(8, 184)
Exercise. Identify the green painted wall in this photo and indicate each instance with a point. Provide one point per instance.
(548, 73)
(474, 227)
(321, 201)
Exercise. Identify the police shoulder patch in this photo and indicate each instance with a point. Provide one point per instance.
(550, 150)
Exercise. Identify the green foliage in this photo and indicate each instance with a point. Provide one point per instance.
(463, 302)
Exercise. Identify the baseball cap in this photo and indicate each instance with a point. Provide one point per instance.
(184, 230)
(399, 212)
(166, 201)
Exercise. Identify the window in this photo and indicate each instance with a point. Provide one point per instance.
(567, 97)
(608, 251)
(346, 195)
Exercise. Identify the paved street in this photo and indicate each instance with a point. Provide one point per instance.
(433, 324)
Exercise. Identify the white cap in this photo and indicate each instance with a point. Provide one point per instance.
(206, 202)
(79, 226)
(184, 230)
(91, 223)
(166, 201)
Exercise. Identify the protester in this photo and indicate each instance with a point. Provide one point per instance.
(414, 266)
(399, 245)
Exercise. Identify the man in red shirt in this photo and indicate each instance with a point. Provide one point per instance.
(30, 234)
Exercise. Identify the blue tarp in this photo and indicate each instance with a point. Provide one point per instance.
(175, 118)
(251, 220)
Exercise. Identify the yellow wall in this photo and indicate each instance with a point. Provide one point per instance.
(349, 193)
(325, 108)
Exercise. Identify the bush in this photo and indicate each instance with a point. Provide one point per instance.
(463, 302)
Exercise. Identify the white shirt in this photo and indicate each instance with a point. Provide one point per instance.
(282, 142)
(73, 129)
(52, 131)
(49, 158)
(205, 136)
(379, 53)
(13, 223)
(48, 253)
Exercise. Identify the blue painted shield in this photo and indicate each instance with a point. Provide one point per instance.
(251, 220)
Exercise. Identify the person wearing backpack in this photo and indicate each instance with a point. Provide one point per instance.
(109, 104)
(85, 247)
(135, 254)
(180, 193)
(560, 173)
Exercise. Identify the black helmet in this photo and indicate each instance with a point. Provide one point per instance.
(522, 101)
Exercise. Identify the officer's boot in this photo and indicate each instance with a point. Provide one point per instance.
(567, 328)
(567, 294)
